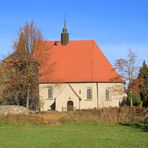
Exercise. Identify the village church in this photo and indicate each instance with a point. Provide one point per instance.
(75, 74)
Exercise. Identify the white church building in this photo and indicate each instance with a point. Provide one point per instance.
(75, 74)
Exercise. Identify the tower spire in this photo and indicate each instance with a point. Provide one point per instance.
(64, 35)
(65, 28)
(64, 23)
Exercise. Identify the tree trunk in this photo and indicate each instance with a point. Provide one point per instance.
(141, 104)
(131, 102)
(27, 101)
(17, 99)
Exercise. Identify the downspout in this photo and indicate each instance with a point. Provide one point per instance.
(97, 95)
(79, 103)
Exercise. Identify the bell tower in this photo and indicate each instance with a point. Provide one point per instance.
(64, 35)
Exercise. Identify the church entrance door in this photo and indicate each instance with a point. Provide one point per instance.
(70, 106)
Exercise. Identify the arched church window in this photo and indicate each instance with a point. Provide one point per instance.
(50, 92)
(89, 93)
(108, 94)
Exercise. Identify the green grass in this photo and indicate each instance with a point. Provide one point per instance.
(72, 135)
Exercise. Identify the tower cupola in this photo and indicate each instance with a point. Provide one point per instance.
(64, 35)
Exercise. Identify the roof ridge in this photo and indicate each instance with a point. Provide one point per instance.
(70, 40)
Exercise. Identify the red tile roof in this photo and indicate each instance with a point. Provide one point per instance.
(78, 61)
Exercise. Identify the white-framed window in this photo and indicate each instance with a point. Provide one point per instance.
(50, 92)
(108, 94)
(89, 93)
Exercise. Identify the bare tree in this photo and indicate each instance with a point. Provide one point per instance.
(32, 37)
(127, 67)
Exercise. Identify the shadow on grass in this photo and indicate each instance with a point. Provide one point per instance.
(143, 128)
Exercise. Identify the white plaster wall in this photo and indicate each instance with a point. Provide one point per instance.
(65, 96)
(116, 90)
(63, 93)
(45, 102)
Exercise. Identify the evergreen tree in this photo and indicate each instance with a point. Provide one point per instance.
(143, 75)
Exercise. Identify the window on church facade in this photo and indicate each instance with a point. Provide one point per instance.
(50, 92)
(89, 93)
(108, 94)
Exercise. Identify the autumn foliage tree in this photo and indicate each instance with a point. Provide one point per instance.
(21, 70)
(1, 73)
(134, 91)
(1, 79)
(139, 86)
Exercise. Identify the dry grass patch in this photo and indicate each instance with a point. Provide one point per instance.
(123, 115)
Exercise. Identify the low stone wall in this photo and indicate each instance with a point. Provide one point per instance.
(13, 109)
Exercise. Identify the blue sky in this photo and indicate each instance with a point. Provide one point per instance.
(116, 25)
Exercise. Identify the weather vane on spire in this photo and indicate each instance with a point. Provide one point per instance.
(64, 20)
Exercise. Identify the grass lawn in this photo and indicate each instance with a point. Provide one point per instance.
(72, 135)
